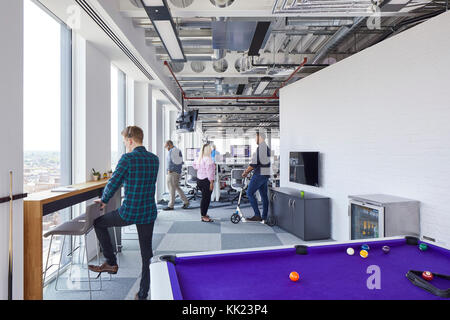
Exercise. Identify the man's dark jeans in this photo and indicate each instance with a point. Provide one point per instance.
(145, 234)
(259, 183)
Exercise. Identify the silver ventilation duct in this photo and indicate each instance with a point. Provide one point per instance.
(342, 33)
(318, 22)
(218, 54)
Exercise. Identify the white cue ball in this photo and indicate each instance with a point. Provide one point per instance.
(350, 251)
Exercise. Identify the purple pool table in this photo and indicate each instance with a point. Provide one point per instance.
(326, 272)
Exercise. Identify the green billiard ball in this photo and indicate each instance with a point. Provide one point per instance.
(423, 247)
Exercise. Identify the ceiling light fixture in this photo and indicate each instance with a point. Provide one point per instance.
(262, 85)
(159, 14)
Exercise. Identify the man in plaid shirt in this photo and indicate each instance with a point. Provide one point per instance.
(137, 171)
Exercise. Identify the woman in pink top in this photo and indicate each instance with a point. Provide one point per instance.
(206, 170)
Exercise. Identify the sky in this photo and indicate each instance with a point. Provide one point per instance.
(41, 80)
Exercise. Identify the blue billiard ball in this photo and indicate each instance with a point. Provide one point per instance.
(365, 247)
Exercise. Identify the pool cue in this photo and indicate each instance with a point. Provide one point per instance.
(10, 256)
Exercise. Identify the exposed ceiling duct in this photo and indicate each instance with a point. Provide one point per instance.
(319, 30)
(222, 3)
(318, 22)
(181, 3)
(340, 35)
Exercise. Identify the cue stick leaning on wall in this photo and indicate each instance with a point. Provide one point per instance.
(10, 245)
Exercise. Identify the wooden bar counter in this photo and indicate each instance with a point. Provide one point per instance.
(36, 206)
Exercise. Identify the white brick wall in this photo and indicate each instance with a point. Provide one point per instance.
(381, 120)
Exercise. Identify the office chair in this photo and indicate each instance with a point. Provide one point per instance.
(191, 181)
(237, 183)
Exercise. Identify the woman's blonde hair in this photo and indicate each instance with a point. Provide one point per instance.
(205, 152)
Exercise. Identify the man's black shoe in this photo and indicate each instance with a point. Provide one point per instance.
(136, 297)
(254, 218)
(167, 208)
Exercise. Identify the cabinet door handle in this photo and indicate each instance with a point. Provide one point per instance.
(290, 204)
(293, 203)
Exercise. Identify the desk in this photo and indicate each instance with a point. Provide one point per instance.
(326, 272)
(36, 206)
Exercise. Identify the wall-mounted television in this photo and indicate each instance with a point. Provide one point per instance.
(187, 121)
(304, 168)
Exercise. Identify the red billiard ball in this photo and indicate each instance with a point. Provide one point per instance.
(294, 276)
(427, 275)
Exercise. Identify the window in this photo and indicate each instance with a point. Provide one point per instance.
(47, 101)
(118, 114)
(47, 111)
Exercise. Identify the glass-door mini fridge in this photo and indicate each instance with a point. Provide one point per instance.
(379, 215)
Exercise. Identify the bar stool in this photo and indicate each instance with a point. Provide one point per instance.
(79, 226)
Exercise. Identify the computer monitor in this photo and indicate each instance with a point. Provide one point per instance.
(240, 151)
(192, 153)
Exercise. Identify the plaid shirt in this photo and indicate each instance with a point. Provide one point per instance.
(137, 171)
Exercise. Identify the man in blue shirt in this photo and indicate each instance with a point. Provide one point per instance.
(260, 166)
(174, 164)
(137, 171)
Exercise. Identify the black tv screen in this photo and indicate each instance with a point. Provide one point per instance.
(304, 168)
(187, 121)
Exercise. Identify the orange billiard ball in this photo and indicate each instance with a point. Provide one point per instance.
(294, 276)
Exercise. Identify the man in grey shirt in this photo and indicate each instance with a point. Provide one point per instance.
(174, 164)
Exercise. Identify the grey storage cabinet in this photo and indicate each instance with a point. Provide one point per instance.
(307, 218)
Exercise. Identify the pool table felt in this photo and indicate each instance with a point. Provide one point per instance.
(326, 272)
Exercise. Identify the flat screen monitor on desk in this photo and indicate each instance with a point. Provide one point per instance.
(192, 153)
(240, 151)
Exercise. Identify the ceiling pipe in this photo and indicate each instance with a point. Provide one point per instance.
(407, 22)
(273, 97)
(225, 122)
(217, 54)
(233, 105)
(187, 42)
(318, 22)
(290, 77)
(340, 35)
(288, 65)
(241, 113)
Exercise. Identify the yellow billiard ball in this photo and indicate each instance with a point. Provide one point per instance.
(364, 253)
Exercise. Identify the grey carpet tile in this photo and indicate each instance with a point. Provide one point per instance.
(185, 242)
(162, 226)
(289, 239)
(245, 227)
(157, 238)
(116, 289)
(133, 244)
(278, 229)
(178, 215)
(195, 227)
(240, 241)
